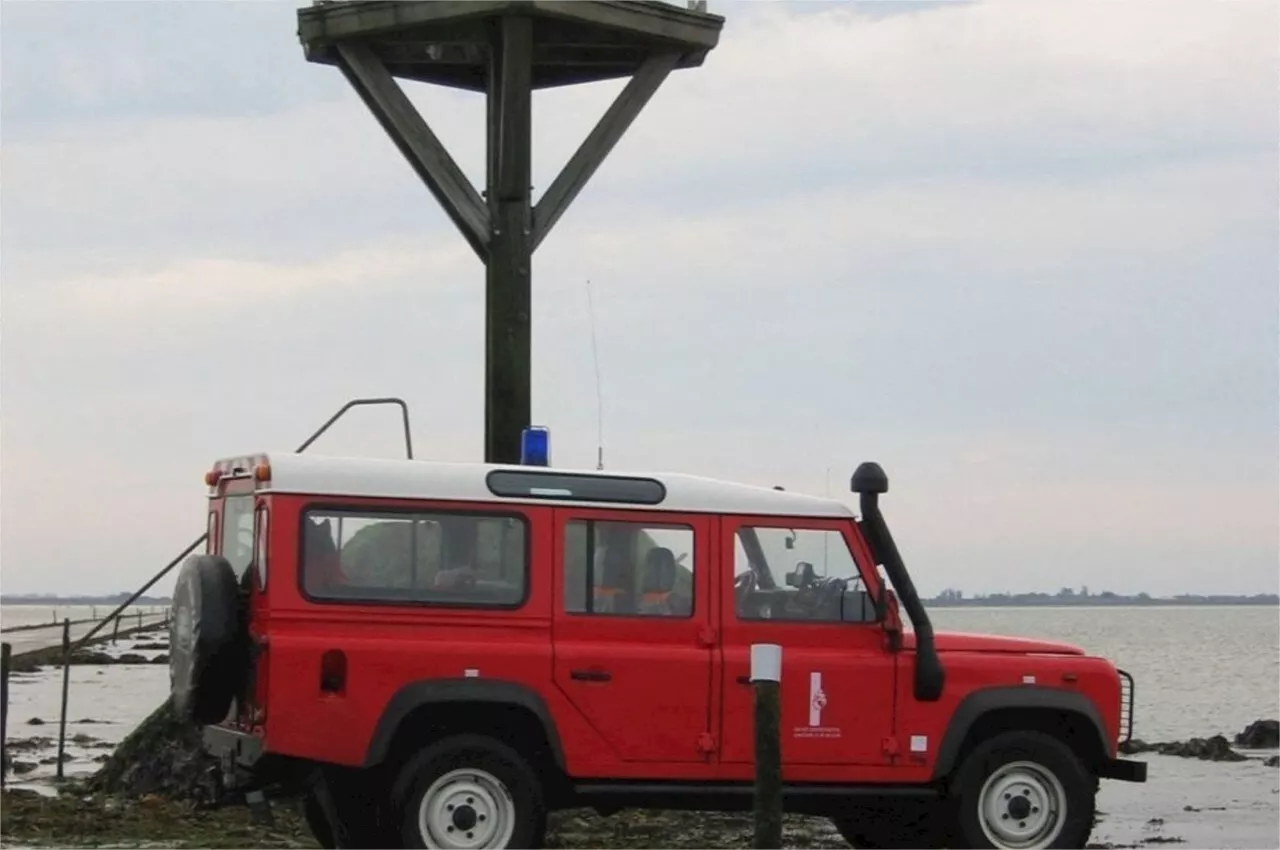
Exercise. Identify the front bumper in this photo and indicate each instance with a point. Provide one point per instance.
(1125, 770)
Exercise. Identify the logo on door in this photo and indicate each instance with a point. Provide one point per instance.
(817, 702)
(817, 699)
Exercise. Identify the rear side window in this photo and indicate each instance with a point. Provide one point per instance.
(237, 532)
(260, 546)
(420, 557)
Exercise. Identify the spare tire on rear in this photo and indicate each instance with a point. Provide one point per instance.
(205, 640)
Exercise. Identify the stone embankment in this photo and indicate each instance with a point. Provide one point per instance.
(51, 656)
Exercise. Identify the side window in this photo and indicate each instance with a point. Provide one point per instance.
(798, 574)
(421, 557)
(211, 541)
(260, 546)
(628, 568)
(237, 532)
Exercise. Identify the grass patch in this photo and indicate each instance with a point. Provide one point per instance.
(74, 820)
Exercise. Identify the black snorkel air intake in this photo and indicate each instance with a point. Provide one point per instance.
(869, 481)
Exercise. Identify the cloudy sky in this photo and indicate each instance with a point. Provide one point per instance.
(1023, 254)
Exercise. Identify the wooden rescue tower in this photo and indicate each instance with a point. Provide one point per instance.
(505, 49)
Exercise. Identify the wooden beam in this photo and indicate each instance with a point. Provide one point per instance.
(608, 130)
(508, 273)
(415, 139)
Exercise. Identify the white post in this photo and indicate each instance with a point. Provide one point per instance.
(766, 679)
(766, 662)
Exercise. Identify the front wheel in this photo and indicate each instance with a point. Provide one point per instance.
(1023, 790)
(470, 792)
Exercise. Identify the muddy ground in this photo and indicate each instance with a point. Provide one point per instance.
(73, 820)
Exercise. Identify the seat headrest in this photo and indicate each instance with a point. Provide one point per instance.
(659, 570)
(614, 567)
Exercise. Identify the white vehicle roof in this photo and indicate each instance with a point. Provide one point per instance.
(420, 479)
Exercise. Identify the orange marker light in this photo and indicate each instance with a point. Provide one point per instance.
(262, 472)
(211, 477)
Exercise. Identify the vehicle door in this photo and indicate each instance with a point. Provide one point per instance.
(633, 651)
(778, 586)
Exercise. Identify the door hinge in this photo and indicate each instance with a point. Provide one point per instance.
(706, 743)
(707, 636)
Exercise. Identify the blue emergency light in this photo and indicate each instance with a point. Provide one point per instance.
(535, 446)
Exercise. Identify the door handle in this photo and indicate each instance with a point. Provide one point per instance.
(590, 675)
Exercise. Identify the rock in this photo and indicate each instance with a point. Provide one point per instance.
(84, 721)
(35, 721)
(132, 658)
(1260, 735)
(66, 757)
(91, 656)
(150, 646)
(24, 664)
(23, 793)
(27, 745)
(21, 767)
(160, 659)
(1216, 748)
(1274, 761)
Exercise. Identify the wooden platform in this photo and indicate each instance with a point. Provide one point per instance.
(446, 42)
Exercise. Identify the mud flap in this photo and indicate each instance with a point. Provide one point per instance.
(323, 792)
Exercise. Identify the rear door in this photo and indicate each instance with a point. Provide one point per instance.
(632, 629)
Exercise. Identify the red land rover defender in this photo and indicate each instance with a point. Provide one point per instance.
(440, 653)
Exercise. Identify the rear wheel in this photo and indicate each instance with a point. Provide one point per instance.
(472, 792)
(1023, 790)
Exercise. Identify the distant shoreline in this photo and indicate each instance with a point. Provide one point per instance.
(36, 601)
(1028, 600)
(1095, 602)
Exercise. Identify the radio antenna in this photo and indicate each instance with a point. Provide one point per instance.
(595, 357)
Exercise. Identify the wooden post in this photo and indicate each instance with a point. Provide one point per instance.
(115, 629)
(766, 678)
(66, 684)
(5, 652)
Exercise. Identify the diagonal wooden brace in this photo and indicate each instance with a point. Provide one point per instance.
(411, 134)
(611, 127)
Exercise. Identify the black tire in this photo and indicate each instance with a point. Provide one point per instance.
(490, 759)
(890, 825)
(205, 642)
(1047, 760)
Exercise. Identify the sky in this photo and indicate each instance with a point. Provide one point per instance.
(1024, 255)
